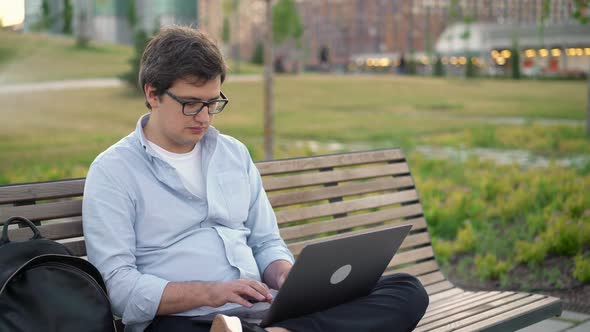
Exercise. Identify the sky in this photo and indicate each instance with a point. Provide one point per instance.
(12, 11)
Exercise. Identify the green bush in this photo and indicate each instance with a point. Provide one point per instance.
(533, 253)
(564, 237)
(443, 249)
(520, 215)
(582, 268)
(489, 267)
(466, 239)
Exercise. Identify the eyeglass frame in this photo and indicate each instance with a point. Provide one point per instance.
(183, 102)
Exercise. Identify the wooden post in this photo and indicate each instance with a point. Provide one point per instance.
(268, 87)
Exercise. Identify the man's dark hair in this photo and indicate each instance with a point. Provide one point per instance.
(178, 52)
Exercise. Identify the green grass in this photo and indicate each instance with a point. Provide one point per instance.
(64, 129)
(37, 58)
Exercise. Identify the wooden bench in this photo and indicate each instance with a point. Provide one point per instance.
(318, 198)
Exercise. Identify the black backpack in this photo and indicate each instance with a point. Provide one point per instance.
(46, 288)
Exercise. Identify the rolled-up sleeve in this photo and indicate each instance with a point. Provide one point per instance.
(108, 219)
(265, 239)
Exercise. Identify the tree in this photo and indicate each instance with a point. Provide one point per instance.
(286, 22)
(470, 70)
(67, 15)
(258, 54)
(439, 69)
(83, 25)
(231, 29)
(287, 29)
(515, 61)
(46, 19)
(225, 33)
(140, 41)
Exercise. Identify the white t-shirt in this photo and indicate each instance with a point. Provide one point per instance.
(188, 167)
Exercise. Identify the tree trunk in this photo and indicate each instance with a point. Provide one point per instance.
(268, 87)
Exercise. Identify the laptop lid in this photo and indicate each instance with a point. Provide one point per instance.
(335, 271)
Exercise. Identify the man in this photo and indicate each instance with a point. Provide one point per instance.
(177, 221)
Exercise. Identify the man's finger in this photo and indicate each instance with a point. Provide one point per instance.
(262, 289)
(235, 298)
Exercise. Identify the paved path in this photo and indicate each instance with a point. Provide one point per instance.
(569, 321)
(91, 83)
(501, 156)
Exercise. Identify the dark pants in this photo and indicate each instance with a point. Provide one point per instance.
(397, 303)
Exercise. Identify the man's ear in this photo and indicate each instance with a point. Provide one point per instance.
(151, 95)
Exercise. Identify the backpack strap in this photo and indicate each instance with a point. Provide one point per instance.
(13, 220)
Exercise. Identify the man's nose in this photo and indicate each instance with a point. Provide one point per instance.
(203, 116)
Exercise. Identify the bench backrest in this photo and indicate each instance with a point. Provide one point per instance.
(315, 198)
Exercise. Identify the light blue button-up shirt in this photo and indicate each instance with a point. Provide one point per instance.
(143, 228)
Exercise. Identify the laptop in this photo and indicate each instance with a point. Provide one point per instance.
(325, 275)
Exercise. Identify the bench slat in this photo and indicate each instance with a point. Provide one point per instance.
(417, 269)
(463, 306)
(502, 307)
(344, 189)
(442, 296)
(52, 231)
(364, 219)
(547, 307)
(431, 278)
(317, 162)
(330, 209)
(77, 247)
(450, 301)
(296, 247)
(311, 179)
(459, 299)
(41, 191)
(438, 287)
(45, 211)
(458, 320)
(411, 256)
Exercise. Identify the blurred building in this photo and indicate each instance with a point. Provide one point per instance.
(348, 31)
(35, 20)
(111, 17)
(108, 20)
(557, 49)
(356, 28)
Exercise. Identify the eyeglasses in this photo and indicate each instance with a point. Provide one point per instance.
(192, 108)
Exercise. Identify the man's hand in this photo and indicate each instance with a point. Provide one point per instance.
(239, 291)
(276, 273)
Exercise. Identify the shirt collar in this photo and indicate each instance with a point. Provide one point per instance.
(208, 141)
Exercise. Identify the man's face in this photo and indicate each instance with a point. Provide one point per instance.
(168, 126)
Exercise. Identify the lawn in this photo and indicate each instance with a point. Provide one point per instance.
(73, 126)
(38, 58)
(487, 220)
(35, 58)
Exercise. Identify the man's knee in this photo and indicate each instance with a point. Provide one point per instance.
(410, 286)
